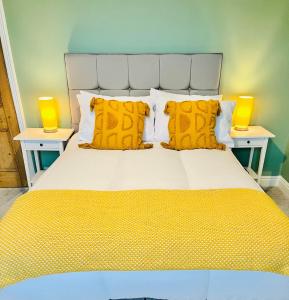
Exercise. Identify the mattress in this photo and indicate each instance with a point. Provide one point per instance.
(156, 168)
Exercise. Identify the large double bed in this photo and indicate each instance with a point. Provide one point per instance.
(211, 173)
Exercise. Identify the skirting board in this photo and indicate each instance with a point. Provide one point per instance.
(270, 181)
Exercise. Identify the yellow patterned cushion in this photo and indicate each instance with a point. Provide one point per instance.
(192, 125)
(118, 125)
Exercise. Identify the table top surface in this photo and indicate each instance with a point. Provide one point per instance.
(252, 132)
(37, 134)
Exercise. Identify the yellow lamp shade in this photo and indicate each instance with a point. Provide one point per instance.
(48, 111)
(243, 112)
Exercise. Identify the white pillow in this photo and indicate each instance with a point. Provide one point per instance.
(223, 123)
(87, 117)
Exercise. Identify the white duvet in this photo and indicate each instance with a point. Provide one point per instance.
(156, 168)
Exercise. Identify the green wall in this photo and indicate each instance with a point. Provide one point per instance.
(252, 34)
(285, 169)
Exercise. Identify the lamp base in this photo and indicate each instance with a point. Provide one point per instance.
(241, 128)
(50, 130)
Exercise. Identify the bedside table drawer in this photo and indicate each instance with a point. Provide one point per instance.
(248, 143)
(34, 145)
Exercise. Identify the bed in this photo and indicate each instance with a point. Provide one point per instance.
(157, 169)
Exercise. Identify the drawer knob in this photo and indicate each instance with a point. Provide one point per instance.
(248, 142)
(41, 145)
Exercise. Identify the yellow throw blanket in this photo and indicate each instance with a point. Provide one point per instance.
(48, 232)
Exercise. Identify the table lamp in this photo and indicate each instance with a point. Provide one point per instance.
(48, 111)
(243, 112)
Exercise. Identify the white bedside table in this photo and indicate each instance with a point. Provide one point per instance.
(35, 140)
(255, 137)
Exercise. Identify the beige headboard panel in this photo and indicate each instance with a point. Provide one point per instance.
(135, 74)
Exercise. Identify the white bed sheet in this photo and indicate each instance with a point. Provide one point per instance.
(156, 168)
(171, 285)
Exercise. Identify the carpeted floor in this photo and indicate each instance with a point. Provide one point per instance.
(281, 199)
(7, 197)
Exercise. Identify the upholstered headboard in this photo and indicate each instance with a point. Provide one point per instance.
(135, 74)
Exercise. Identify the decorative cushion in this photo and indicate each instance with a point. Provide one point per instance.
(118, 125)
(192, 125)
(161, 98)
(87, 119)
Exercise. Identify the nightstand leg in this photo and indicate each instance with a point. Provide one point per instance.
(61, 148)
(37, 162)
(28, 163)
(251, 157)
(261, 161)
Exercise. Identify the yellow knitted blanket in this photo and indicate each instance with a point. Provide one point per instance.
(48, 232)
